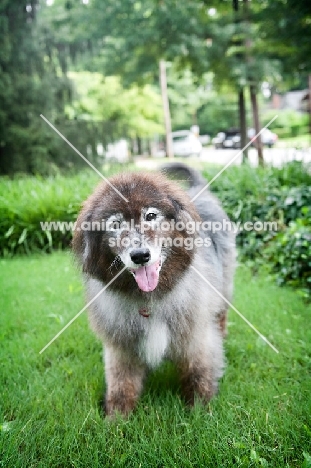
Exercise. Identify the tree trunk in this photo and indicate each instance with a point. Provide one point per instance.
(139, 146)
(166, 109)
(252, 89)
(257, 142)
(241, 97)
(243, 129)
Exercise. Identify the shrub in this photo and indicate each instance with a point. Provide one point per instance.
(290, 255)
(289, 123)
(277, 195)
(26, 201)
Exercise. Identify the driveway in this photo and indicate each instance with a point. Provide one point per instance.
(274, 156)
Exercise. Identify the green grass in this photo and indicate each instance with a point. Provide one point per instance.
(300, 141)
(25, 201)
(51, 403)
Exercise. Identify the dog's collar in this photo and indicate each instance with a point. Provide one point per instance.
(144, 312)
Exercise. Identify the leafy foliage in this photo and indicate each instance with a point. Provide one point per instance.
(138, 110)
(25, 202)
(290, 254)
(43, 43)
(195, 101)
(39, 46)
(28, 87)
(281, 196)
(138, 35)
(288, 124)
(287, 35)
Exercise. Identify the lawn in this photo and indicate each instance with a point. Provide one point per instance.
(51, 403)
(300, 141)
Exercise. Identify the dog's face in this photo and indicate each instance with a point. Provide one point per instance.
(137, 242)
(145, 234)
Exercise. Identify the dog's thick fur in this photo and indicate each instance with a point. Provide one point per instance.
(180, 317)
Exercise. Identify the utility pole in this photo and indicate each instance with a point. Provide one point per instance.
(166, 110)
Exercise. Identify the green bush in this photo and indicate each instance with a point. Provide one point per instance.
(276, 195)
(289, 123)
(290, 254)
(26, 201)
(282, 132)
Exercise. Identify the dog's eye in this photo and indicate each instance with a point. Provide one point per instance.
(151, 216)
(115, 224)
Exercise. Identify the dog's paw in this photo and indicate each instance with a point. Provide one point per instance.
(118, 406)
(198, 386)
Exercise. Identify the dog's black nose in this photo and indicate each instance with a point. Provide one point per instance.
(140, 256)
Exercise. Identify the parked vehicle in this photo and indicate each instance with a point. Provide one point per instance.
(186, 143)
(232, 138)
(229, 139)
(268, 138)
(204, 139)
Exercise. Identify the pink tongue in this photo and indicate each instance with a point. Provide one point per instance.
(147, 277)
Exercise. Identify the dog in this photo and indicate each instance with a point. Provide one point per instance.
(159, 286)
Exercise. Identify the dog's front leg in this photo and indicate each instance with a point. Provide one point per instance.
(202, 367)
(197, 382)
(124, 381)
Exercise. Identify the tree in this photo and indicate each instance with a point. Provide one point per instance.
(38, 47)
(137, 35)
(97, 98)
(285, 30)
(40, 44)
(29, 86)
(140, 34)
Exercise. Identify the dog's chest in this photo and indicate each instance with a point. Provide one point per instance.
(121, 320)
(153, 337)
(148, 336)
(154, 345)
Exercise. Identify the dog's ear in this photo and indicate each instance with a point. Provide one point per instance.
(85, 243)
(184, 212)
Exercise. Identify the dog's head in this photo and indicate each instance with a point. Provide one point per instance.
(148, 234)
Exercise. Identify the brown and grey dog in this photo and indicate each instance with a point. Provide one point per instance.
(158, 307)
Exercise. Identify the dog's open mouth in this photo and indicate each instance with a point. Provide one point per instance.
(147, 277)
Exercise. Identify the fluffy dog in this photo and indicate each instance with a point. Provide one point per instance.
(158, 307)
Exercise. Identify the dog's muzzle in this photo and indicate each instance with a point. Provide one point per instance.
(146, 276)
(140, 256)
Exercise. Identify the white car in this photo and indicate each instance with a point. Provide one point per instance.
(185, 143)
(268, 138)
(117, 152)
